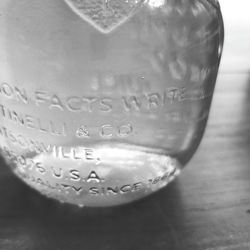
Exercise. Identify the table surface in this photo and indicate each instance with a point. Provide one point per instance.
(206, 208)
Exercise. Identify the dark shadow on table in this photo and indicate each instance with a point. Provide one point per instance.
(201, 210)
(33, 222)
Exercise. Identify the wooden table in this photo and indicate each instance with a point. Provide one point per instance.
(206, 208)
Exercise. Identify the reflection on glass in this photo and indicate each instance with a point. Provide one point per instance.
(106, 106)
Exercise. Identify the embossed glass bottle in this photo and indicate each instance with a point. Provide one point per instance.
(103, 102)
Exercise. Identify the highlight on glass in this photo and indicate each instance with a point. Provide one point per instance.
(103, 102)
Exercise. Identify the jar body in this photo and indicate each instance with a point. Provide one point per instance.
(103, 109)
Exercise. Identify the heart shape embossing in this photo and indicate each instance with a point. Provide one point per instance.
(105, 15)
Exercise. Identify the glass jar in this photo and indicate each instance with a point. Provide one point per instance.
(104, 102)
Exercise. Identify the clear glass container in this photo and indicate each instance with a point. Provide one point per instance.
(104, 102)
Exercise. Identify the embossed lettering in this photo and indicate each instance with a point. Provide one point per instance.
(106, 104)
(31, 122)
(89, 154)
(109, 131)
(83, 132)
(57, 172)
(143, 98)
(132, 103)
(94, 191)
(77, 153)
(125, 130)
(56, 103)
(93, 177)
(40, 97)
(40, 168)
(113, 190)
(72, 153)
(126, 188)
(89, 103)
(75, 175)
(13, 92)
(78, 190)
(154, 101)
(74, 104)
(106, 131)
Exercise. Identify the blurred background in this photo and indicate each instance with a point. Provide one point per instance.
(236, 57)
(207, 207)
